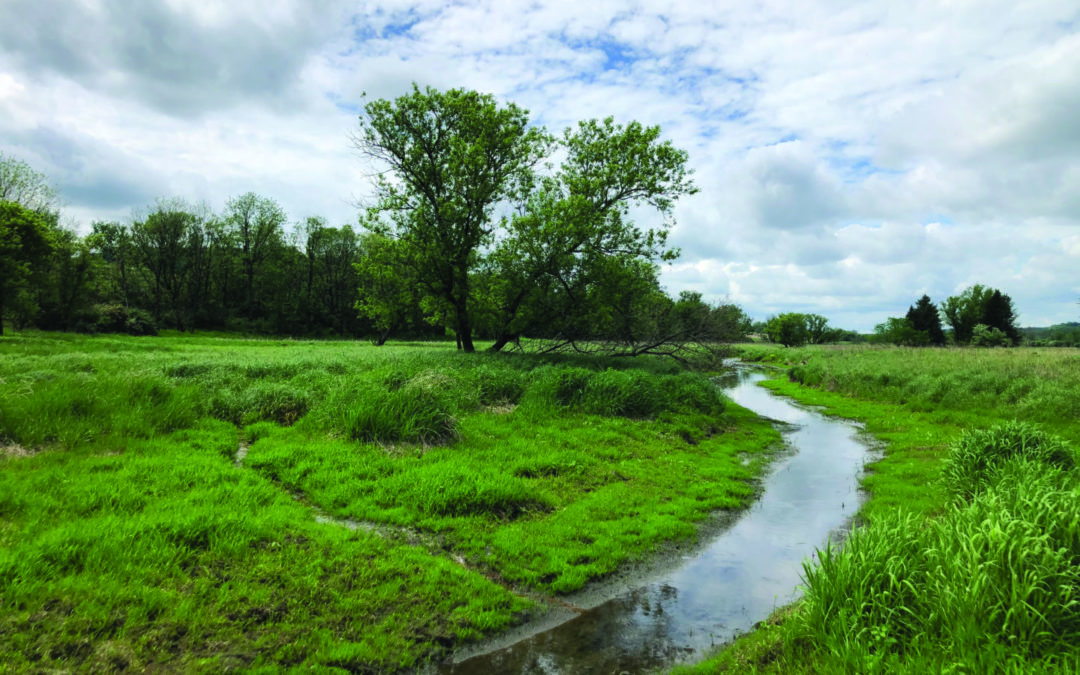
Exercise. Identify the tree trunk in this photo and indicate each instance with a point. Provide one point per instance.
(501, 342)
(464, 331)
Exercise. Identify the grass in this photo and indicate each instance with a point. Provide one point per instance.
(969, 555)
(130, 540)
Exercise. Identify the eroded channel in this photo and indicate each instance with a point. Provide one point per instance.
(724, 588)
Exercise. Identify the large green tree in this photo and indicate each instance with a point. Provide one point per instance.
(572, 246)
(26, 242)
(452, 157)
(977, 305)
(789, 329)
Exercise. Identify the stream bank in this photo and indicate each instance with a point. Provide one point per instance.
(679, 613)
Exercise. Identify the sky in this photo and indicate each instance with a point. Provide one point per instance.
(850, 156)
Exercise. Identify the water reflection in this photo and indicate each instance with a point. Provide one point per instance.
(734, 582)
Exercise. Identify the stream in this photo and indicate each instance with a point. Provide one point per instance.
(677, 614)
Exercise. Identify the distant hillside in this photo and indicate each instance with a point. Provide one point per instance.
(1058, 335)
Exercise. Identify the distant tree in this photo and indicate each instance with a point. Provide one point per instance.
(21, 184)
(163, 245)
(789, 329)
(333, 252)
(65, 283)
(999, 313)
(794, 329)
(965, 311)
(979, 304)
(389, 292)
(924, 317)
(256, 224)
(112, 242)
(819, 331)
(26, 242)
(902, 332)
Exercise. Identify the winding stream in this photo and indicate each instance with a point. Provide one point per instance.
(724, 588)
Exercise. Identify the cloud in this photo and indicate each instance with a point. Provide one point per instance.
(850, 157)
(179, 57)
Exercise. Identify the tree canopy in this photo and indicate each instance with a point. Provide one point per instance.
(924, 317)
(22, 185)
(452, 157)
(977, 305)
(564, 262)
(795, 329)
(26, 241)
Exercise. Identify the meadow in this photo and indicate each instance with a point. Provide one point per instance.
(967, 555)
(207, 503)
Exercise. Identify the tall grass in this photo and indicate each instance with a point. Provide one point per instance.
(1033, 385)
(131, 540)
(974, 460)
(992, 584)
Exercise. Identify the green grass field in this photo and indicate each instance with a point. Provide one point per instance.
(968, 560)
(131, 537)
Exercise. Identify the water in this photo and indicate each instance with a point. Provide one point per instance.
(738, 579)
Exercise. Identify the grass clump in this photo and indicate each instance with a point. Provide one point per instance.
(617, 393)
(497, 385)
(75, 408)
(263, 401)
(973, 461)
(633, 394)
(407, 414)
(461, 491)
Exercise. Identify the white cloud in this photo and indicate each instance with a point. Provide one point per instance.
(851, 157)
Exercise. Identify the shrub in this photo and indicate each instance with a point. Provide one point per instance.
(116, 319)
(985, 336)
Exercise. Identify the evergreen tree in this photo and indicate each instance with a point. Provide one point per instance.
(924, 317)
(998, 312)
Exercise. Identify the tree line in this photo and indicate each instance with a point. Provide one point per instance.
(178, 266)
(474, 233)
